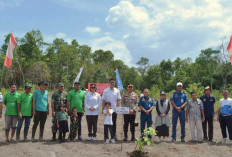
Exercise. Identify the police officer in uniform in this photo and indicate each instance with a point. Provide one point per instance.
(179, 100)
(129, 99)
(146, 104)
(58, 98)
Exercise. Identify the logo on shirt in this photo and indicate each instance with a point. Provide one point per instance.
(149, 99)
(143, 99)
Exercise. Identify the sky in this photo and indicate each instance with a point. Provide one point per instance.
(131, 29)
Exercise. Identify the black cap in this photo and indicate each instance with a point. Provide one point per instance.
(27, 87)
(43, 83)
(77, 82)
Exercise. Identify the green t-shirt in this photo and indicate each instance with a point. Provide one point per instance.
(10, 100)
(60, 116)
(76, 99)
(25, 101)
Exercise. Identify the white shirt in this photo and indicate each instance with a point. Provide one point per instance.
(226, 106)
(108, 119)
(111, 96)
(92, 100)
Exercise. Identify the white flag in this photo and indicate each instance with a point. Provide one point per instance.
(79, 74)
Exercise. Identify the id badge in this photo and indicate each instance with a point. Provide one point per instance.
(182, 100)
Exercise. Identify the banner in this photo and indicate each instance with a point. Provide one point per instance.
(118, 80)
(100, 87)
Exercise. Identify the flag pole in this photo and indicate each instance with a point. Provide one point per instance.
(20, 68)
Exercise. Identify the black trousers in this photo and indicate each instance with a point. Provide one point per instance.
(129, 119)
(114, 118)
(208, 121)
(108, 128)
(92, 125)
(79, 119)
(39, 119)
(226, 122)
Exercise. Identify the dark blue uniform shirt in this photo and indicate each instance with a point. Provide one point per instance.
(208, 103)
(146, 103)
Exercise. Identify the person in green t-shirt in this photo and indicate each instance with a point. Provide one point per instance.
(24, 107)
(11, 114)
(75, 99)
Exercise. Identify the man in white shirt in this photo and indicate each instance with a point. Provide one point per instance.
(113, 96)
(225, 116)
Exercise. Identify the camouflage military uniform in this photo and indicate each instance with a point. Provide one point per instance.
(58, 99)
(129, 100)
(74, 125)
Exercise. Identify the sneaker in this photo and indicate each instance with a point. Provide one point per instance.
(107, 140)
(112, 140)
(94, 138)
(125, 139)
(230, 142)
(79, 138)
(173, 140)
(89, 138)
(159, 139)
(182, 140)
(133, 139)
(200, 141)
(223, 141)
(53, 139)
(32, 139)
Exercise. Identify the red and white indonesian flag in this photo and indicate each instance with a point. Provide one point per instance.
(229, 48)
(9, 53)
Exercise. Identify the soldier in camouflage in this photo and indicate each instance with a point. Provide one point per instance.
(58, 98)
(130, 99)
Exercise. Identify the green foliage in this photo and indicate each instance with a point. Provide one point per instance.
(148, 132)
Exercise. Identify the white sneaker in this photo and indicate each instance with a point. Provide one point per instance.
(112, 140)
(223, 141)
(94, 138)
(89, 138)
(230, 142)
(107, 140)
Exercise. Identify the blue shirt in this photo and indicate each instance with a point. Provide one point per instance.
(41, 100)
(146, 103)
(208, 103)
(179, 99)
(226, 106)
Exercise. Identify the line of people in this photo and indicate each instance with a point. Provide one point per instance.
(198, 113)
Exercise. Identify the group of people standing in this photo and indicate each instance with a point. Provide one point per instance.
(199, 113)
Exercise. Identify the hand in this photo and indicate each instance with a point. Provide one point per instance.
(178, 109)
(20, 116)
(58, 126)
(92, 109)
(186, 119)
(147, 112)
(131, 111)
(47, 112)
(203, 119)
(163, 115)
(69, 112)
(34, 113)
(53, 114)
(83, 113)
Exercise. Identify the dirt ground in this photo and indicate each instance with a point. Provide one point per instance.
(100, 149)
